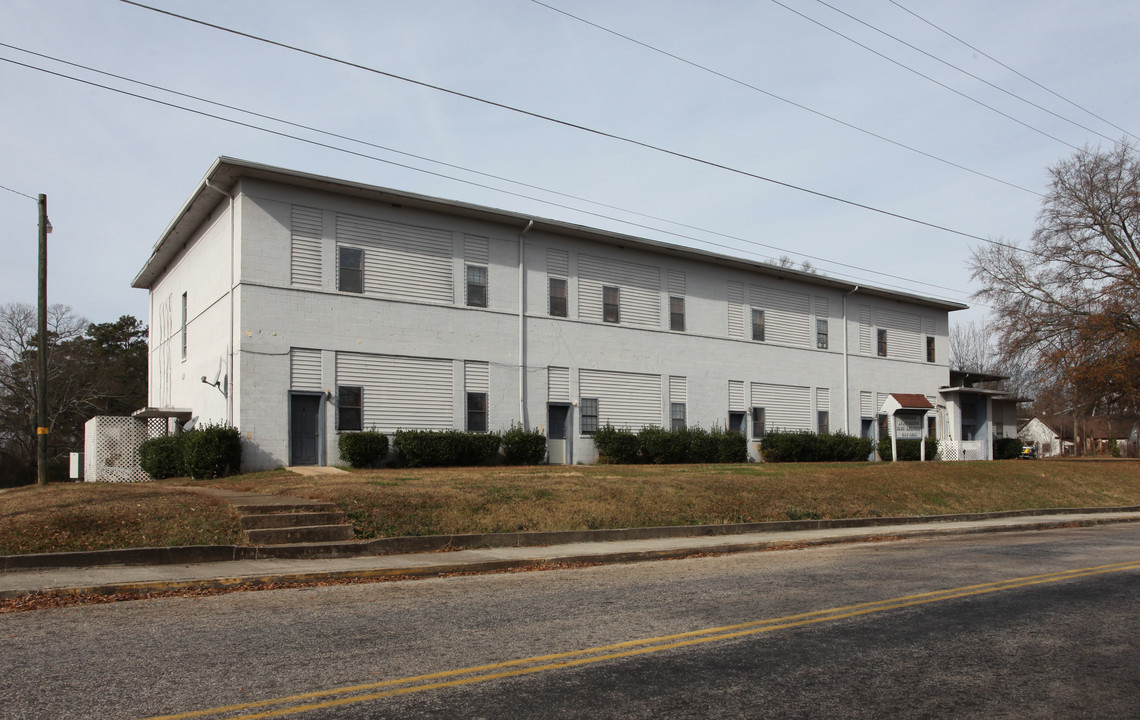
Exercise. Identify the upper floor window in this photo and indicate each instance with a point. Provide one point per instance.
(349, 407)
(476, 286)
(589, 412)
(821, 333)
(350, 270)
(882, 343)
(476, 412)
(611, 304)
(558, 297)
(677, 313)
(929, 348)
(757, 324)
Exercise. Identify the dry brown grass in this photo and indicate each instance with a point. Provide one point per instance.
(385, 503)
(98, 516)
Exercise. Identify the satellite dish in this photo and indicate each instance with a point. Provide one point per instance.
(190, 424)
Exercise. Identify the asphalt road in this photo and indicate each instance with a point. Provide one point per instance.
(928, 628)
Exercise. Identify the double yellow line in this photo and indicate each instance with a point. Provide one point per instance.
(292, 704)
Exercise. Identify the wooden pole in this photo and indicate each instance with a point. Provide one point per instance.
(41, 353)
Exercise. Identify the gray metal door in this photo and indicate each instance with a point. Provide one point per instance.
(304, 430)
(556, 431)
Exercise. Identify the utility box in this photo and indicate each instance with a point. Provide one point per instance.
(76, 466)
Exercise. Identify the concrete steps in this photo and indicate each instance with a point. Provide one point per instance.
(285, 523)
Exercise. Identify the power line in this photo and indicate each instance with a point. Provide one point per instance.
(964, 72)
(484, 174)
(916, 72)
(576, 126)
(1015, 72)
(17, 192)
(774, 96)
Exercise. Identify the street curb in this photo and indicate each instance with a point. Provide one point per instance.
(435, 543)
(428, 570)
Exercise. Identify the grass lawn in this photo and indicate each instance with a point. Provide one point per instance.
(384, 503)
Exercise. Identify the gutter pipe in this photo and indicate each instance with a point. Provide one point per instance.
(522, 326)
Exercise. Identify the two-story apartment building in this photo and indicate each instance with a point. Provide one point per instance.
(295, 306)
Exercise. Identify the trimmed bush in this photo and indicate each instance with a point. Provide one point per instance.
(804, 446)
(362, 449)
(908, 449)
(731, 447)
(211, 451)
(615, 446)
(660, 446)
(523, 448)
(161, 457)
(1007, 448)
(445, 448)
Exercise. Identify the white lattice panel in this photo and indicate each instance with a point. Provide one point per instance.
(111, 447)
(960, 450)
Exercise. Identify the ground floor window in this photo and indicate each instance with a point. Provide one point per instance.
(677, 416)
(757, 423)
(736, 422)
(589, 410)
(349, 408)
(476, 412)
(823, 421)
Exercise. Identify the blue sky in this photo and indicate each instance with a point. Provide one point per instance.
(116, 168)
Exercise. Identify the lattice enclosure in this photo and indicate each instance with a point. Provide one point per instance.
(961, 450)
(111, 447)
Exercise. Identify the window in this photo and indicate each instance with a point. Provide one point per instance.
(821, 333)
(736, 422)
(932, 426)
(476, 286)
(929, 348)
(884, 431)
(677, 313)
(349, 408)
(677, 416)
(350, 270)
(183, 326)
(757, 324)
(823, 422)
(611, 304)
(558, 297)
(757, 423)
(589, 410)
(882, 343)
(476, 412)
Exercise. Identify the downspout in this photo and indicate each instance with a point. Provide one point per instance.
(230, 342)
(522, 326)
(846, 390)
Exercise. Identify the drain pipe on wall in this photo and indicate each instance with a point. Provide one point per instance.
(846, 389)
(230, 344)
(522, 326)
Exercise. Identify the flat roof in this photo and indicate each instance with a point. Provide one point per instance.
(225, 172)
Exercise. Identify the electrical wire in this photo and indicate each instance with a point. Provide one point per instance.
(1012, 70)
(583, 128)
(17, 192)
(492, 176)
(793, 103)
(916, 72)
(966, 72)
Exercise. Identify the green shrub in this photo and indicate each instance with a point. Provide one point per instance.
(211, 451)
(523, 448)
(445, 448)
(660, 446)
(362, 449)
(908, 449)
(804, 446)
(1007, 448)
(1113, 448)
(161, 457)
(616, 446)
(731, 447)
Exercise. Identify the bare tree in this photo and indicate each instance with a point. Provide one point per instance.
(1068, 305)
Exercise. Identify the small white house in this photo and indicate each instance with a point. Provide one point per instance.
(297, 307)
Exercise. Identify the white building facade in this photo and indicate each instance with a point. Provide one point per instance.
(294, 306)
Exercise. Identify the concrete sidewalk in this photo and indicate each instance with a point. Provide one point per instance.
(111, 579)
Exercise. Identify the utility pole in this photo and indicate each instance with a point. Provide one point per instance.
(41, 353)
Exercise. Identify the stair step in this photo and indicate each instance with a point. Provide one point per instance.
(302, 534)
(284, 520)
(273, 508)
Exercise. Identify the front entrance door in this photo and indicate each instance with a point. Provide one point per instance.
(557, 429)
(304, 429)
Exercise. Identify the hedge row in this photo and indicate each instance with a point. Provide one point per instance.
(362, 449)
(908, 449)
(803, 446)
(202, 453)
(451, 448)
(1008, 448)
(660, 446)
